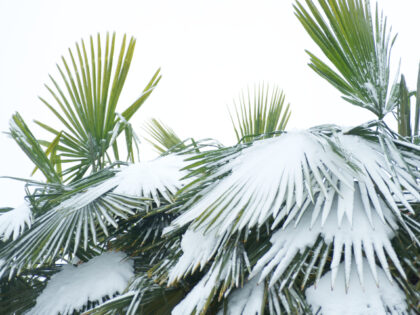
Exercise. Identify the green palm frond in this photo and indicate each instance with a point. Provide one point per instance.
(87, 105)
(359, 47)
(163, 137)
(260, 112)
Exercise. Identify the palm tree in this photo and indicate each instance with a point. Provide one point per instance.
(319, 221)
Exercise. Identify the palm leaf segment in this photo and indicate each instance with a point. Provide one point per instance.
(327, 195)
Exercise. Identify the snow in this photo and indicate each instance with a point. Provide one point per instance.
(146, 179)
(354, 233)
(371, 89)
(197, 298)
(197, 249)
(143, 179)
(245, 301)
(13, 222)
(370, 299)
(72, 287)
(263, 177)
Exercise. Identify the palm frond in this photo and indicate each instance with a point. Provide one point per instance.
(260, 112)
(326, 193)
(73, 221)
(87, 102)
(359, 47)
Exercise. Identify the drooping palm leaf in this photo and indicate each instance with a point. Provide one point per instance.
(164, 138)
(359, 47)
(30, 145)
(87, 102)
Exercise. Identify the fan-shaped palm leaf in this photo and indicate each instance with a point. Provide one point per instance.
(359, 47)
(88, 104)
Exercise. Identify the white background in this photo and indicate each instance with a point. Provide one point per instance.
(208, 51)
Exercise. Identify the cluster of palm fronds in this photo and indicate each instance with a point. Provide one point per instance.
(258, 227)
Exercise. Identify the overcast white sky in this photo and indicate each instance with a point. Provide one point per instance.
(208, 52)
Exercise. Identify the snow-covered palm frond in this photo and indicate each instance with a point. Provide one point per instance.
(374, 296)
(13, 222)
(361, 235)
(262, 177)
(73, 287)
(270, 177)
(200, 297)
(198, 248)
(330, 196)
(76, 221)
(81, 221)
(376, 169)
(149, 179)
(226, 271)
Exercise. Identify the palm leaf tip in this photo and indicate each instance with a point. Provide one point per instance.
(260, 111)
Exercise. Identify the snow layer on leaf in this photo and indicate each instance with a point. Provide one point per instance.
(12, 223)
(360, 231)
(143, 179)
(146, 179)
(269, 173)
(373, 298)
(197, 298)
(247, 300)
(73, 287)
(197, 247)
